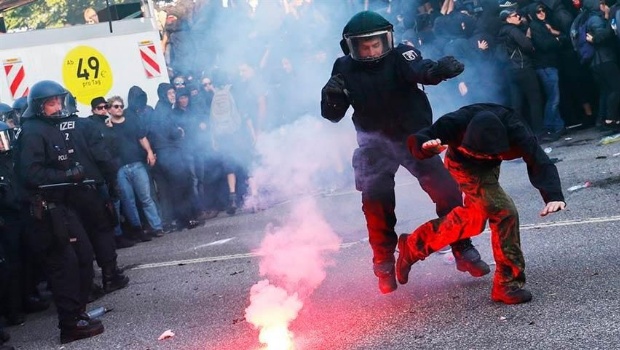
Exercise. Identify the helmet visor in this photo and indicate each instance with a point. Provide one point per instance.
(370, 46)
(6, 139)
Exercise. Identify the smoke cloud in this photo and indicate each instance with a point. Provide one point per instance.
(295, 254)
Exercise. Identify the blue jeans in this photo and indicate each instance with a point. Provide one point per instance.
(550, 82)
(134, 178)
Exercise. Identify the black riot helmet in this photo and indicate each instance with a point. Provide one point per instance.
(7, 136)
(19, 107)
(42, 92)
(71, 104)
(367, 37)
(7, 114)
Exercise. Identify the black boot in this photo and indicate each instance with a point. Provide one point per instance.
(387, 277)
(405, 259)
(232, 204)
(510, 295)
(468, 259)
(79, 329)
(96, 292)
(34, 304)
(123, 242)
(138, 234)
(113, 279)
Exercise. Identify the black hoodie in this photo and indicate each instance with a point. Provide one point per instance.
(452, 128)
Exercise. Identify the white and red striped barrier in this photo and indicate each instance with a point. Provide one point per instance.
(16, 77)
(148, 55)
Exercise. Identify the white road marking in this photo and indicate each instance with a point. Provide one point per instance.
(220, 242)
(350, 244)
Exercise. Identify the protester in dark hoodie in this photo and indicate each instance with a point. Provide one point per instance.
(137, 105)
(604, 62)
(548, 43)
(170, 172)
(478, 137)
(525, 94)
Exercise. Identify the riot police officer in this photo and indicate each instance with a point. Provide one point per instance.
(19, 107)
(46, 170)
(8, 115)
(381, 83)
(94, 204)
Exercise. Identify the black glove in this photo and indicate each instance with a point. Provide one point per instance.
(75, 174)
(334, 91)
(446, 68)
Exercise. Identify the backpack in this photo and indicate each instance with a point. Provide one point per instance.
(225, 117)
(578, 32)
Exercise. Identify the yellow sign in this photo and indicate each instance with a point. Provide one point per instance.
(87, 74)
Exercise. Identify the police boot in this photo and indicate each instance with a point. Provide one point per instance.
(510, 295)
(77, 329)
(405, 259)
(387, 278)
(232, 204)
(468, 259)
(113, 279)
(138, 234)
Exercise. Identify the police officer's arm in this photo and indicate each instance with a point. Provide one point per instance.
(31, 165)
(334, 101)
(542, 172)
(417, 70)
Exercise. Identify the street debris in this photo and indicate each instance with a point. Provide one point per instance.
(609, 139)
(165, 335)
(578, 187)
(548, 150)
(600, 157)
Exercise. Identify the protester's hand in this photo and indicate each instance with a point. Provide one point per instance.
(151, 158)
(446, 68)
(463, 88)
(483, 45)
(552, 207)
(589, 37)
(434, 146)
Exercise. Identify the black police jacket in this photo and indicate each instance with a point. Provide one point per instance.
(385, 95)
(47, 148)
(8, 185)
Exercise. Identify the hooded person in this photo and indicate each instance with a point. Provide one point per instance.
(477, 138)
(137, 105)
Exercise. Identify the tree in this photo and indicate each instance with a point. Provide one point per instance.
(53, 13)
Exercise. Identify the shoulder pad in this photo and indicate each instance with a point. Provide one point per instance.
(408, 53)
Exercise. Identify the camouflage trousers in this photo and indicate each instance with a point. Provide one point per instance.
(484, 200)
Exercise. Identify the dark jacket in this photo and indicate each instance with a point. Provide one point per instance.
(137, 106)
(451, 128)
(517, 46)
(602, 35)
(546, 45)
(385, 96)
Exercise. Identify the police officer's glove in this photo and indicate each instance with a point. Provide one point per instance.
(446, 68)
(75, 174)
(334, 91)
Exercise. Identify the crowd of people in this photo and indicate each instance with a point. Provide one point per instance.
(241, 70)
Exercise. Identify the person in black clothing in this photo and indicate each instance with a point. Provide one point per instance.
(547, 43)
(381, 83)
(478, 137)
(525, 95)
(134, 150)
(101, 121)
(45, 170)
(21, 294)
(94, 203)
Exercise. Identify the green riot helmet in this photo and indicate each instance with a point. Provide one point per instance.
(43, 92)
(367, 37)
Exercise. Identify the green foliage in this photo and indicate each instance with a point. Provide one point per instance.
(52, 13)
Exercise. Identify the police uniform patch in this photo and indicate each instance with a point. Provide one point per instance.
(410, 55)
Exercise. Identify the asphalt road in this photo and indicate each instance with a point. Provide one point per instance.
(197, 283)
